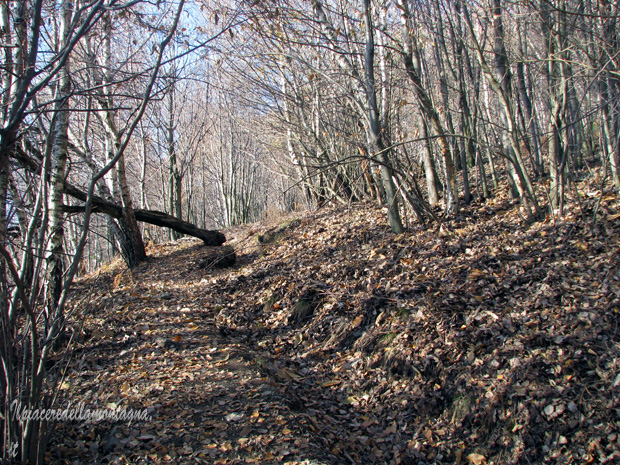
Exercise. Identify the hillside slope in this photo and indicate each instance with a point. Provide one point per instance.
(336, 342)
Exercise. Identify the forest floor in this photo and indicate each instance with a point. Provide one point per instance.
(334, 341)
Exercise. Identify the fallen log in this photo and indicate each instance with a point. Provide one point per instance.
(154, 217)
(100, 205)
(157, 218)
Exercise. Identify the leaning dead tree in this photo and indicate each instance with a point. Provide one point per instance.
(157, 218)
(31, 162)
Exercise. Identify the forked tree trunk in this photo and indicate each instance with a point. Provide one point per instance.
(132, 244)
(530, 121)
(558, 95)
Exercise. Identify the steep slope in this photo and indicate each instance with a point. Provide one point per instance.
(334, 341)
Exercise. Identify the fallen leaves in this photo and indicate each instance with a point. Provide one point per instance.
(476, 459)
(342, 343)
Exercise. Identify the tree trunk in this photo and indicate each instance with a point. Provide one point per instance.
(136, 252)
(530, 121)
(609, 86)
(426, 105)
(174, 178)
(56, 216)
(374, 127)
(298, 163)
(557, 94)
(501, 84)
(458, 148)
(132, 244)
(54, 258)
(432, 180)
(156, 218)
(468, 150)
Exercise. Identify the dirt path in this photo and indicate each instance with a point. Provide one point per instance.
(217, 394)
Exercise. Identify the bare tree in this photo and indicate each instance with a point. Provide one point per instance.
(33, 321)
(427, 107)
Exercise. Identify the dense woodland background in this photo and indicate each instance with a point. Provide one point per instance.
(223, 113)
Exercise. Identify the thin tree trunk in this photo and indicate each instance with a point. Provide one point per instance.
(501, 84)
(458, 147)
(432, 180)
(530, 121)
(144, 200)
(609, 86)
(174, 202)
(558, 99)
(426, 105)
(300, 166)
(468, 150)
(374, 133)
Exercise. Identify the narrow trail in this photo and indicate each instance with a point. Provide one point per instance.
(211, 388)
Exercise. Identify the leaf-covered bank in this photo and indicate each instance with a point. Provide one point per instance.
(485, 341)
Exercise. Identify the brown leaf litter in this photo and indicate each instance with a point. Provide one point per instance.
(337, 342)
